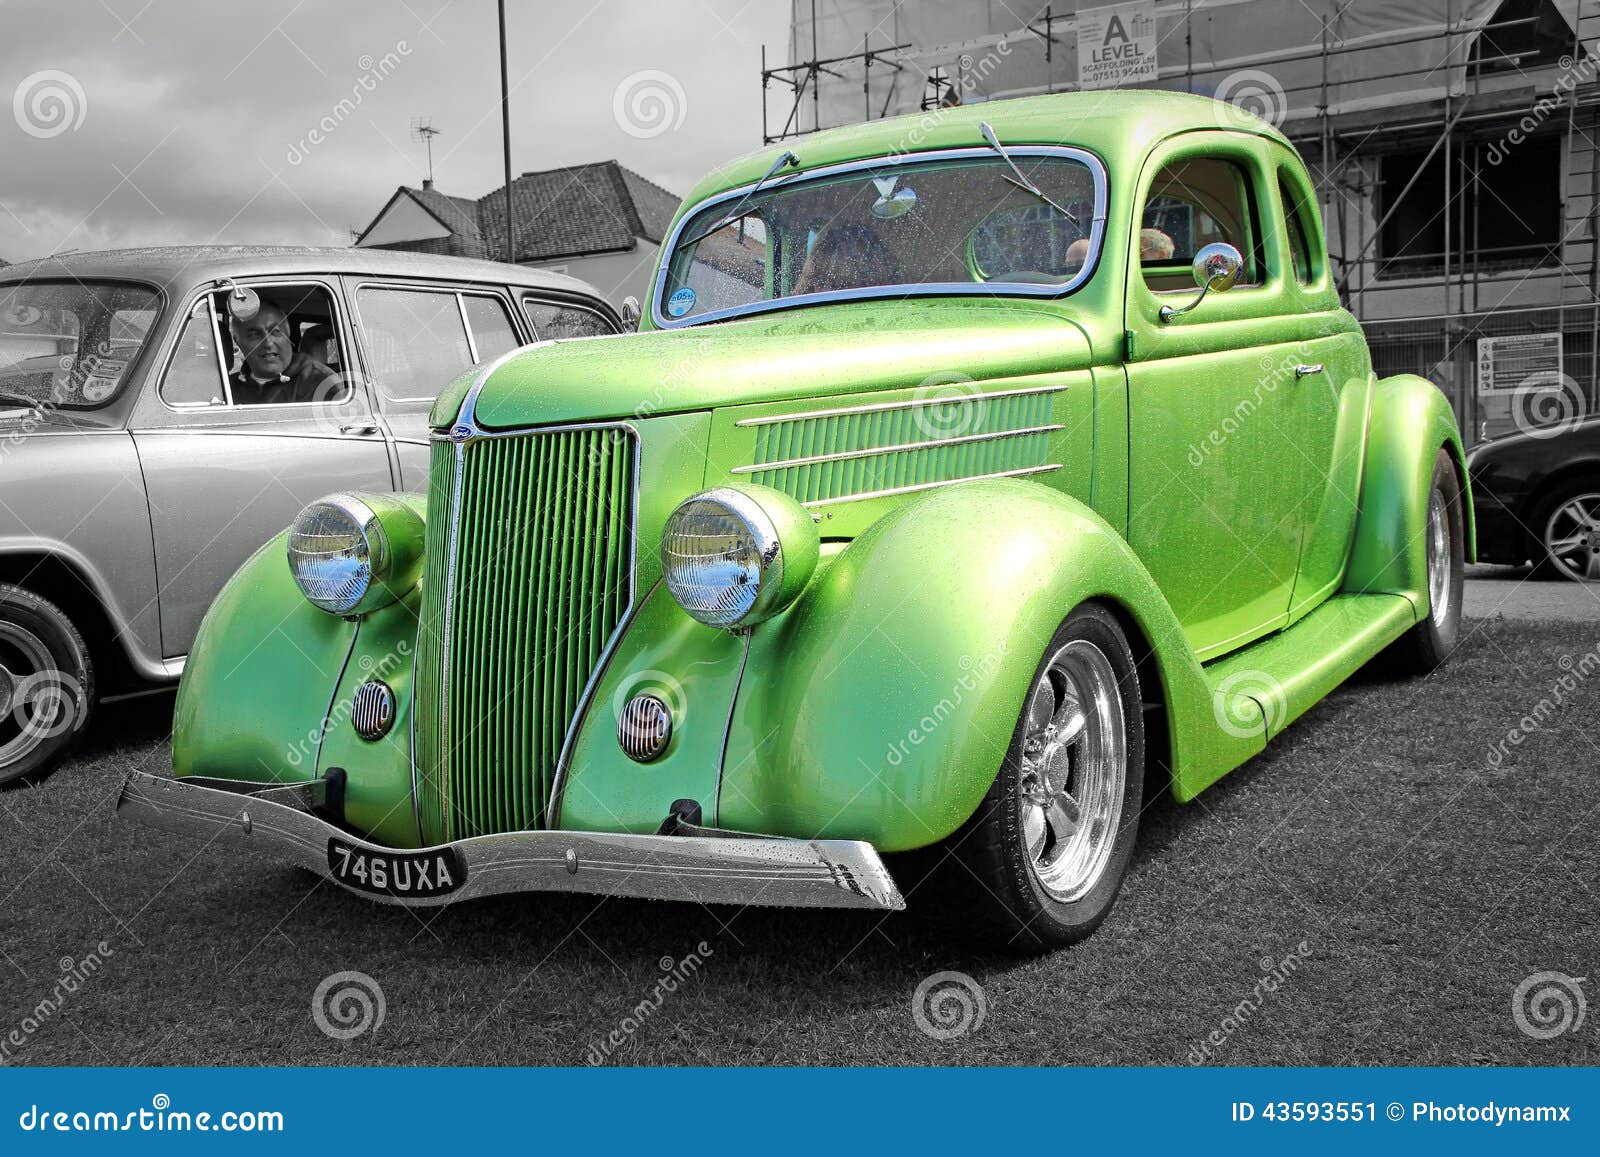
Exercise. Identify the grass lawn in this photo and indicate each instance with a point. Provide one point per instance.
(1424, 881)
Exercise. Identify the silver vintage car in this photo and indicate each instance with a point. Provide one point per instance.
(163, 412)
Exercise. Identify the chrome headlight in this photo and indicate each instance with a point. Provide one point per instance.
(735, 557)
(351, 554)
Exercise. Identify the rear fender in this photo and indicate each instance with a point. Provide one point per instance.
(1411, 422)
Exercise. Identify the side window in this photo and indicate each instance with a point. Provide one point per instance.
(194, 377)
(554, 320)
(493, 332)
(288, 353)
(1296, 229)
(1193, 203)
(418, 339)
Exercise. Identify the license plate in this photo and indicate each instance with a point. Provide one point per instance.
(437, 872)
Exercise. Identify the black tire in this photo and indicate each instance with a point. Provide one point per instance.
(983, 881)
(1428, 644)
(1546, 564)
(46, 685)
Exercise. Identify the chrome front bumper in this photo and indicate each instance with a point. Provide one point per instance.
(723, 869)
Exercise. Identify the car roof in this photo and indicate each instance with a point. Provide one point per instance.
(1114, 123)
(177, 267)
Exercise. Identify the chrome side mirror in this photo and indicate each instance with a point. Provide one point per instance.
(1216, 269)
(243, 304)
(630, 313)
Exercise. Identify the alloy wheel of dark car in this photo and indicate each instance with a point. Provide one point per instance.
(1568, 523)
(1040, 862)
(46, 684)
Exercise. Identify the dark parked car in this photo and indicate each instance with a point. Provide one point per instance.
(1537, 497)
(163, 412)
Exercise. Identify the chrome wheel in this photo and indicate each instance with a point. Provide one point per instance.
(1572, 538)
(1074, 770)
(1438, 557)
(34, 704)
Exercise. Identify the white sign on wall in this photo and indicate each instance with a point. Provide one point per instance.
(1117, 45)
(1506, 363)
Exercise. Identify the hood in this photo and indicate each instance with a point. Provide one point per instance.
(804, 353)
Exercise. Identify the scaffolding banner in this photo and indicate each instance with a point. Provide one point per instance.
(1117, 45)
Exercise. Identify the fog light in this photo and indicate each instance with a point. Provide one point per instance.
(644, 727)
(372, 711)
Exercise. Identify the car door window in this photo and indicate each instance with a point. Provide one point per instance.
(1297, 232)
(552, 320)
(194, 376)
(1193, 203)
(286, 353)
(490, 326)
(418, 340)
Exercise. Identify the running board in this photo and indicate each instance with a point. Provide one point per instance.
(1283, 676)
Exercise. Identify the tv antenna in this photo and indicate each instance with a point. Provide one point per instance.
(422, 130)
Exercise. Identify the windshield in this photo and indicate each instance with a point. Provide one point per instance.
(961, 224)
(69, 345)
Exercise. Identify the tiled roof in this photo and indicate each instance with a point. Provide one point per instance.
(569, 212)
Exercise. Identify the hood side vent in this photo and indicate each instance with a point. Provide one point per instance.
(946, 434)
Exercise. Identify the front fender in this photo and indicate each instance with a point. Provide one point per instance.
(1411, 422)
(259, 677)
(880, 706)
(266, 693)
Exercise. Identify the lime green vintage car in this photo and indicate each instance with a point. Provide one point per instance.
(972, 477)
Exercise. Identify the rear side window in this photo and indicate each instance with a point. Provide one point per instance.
(1298, 231)
(552, 320)
(1193, 203)
(419, 340)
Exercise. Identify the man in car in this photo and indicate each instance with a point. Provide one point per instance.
(271, 371)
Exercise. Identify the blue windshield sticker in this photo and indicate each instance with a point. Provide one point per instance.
(681, 302)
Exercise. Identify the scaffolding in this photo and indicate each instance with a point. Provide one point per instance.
(1404, 111)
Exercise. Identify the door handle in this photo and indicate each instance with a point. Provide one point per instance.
(359, 429)
(1306, 369)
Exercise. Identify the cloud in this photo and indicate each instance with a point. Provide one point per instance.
(289, 122)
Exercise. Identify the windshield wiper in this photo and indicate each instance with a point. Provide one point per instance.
(733, 214)
(21, 400)
(1019, 180)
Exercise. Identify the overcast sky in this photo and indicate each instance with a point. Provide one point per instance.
(191, 121)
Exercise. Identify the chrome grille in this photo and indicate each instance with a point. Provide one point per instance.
(536, 557)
